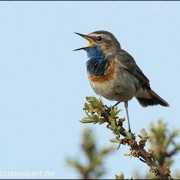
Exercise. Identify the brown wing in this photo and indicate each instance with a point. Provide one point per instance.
(129, 64)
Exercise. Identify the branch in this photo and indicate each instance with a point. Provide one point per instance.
(99, 113)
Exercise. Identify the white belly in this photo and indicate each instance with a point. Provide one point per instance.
(120, 88)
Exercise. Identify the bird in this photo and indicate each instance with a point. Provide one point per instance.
(114, 74)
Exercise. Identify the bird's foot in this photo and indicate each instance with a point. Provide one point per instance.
(115, 104)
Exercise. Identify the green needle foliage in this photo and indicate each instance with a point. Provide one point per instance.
(159, 157)
(162, 141)
(155, 157)
(95, 156)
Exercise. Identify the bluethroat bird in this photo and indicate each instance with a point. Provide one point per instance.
(114, 74)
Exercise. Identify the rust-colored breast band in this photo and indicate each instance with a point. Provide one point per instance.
(110, 73)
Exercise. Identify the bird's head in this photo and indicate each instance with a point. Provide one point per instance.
(101, 41)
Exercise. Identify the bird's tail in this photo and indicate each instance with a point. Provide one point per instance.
(153, 99)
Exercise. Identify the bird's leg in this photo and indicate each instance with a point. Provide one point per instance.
(116, 104)
(126, 107)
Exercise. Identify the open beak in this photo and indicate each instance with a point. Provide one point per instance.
(90, 40)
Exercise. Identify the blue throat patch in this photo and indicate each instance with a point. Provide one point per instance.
(97, 64)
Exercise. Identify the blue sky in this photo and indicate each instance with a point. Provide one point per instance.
(44, 82)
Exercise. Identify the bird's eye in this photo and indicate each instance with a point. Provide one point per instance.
(98, 38)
